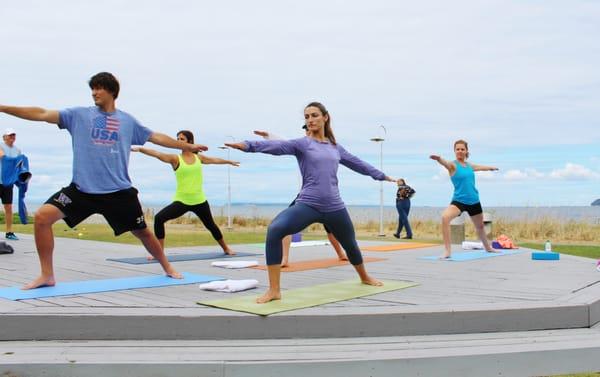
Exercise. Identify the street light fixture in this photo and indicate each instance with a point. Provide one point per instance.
(228, 185)
(380, 140)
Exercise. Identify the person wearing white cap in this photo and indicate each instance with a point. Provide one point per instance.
(6, 192)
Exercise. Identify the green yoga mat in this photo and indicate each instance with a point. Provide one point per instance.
(308, 296)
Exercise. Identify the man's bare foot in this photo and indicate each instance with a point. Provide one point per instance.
(229, 252)
(42, 281)
(149, 257)
(269, 295)
(372, 281)
(494, 251)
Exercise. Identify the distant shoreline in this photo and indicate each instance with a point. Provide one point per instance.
(367, 213)
(586, 214)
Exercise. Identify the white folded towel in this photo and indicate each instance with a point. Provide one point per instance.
(309, 243)
(235, 264)
(472, 245)
(229, 285)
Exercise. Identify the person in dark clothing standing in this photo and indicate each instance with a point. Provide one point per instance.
(403, 195)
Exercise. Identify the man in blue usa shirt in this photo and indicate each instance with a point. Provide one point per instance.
(102, 137)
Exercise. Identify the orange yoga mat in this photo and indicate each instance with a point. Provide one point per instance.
(318, 263)
(398, 246)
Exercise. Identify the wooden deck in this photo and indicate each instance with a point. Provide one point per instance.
(526, 304)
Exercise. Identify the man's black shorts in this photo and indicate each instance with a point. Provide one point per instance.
(6, 194)
(121, 209)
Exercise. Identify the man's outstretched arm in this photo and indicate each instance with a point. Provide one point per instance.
(167, 141)
(37, 114)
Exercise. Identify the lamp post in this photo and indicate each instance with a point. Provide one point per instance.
(380, 140)
(228, 185)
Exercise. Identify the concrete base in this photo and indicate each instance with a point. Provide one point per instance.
(492, 354)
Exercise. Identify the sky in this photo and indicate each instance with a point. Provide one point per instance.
(519, 80)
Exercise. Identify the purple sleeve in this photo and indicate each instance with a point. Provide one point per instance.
(354, 163)
(274, 147)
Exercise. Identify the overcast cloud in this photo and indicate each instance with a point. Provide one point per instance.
(518, 79)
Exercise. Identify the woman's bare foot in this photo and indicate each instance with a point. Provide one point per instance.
(229, 251)
(284, 262)
(269, 295)
(149, 257)
(446, 255)
(172, 273)
(42, 281)
(372, 281)
(494, 251)
(342, 257)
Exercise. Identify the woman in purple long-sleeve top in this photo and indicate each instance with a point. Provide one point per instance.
(319, 200)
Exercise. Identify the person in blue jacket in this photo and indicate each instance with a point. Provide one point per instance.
(8, 149)
(15, 171)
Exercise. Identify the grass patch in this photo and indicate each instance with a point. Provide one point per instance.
(191, 234)
(16, 218)
(179, 235)
(586, 251)
(176, 235)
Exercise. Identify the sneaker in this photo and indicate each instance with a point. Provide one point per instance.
(11, 236)
(407, 238)
(396, 235)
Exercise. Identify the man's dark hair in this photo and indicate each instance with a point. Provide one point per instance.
(106, 81)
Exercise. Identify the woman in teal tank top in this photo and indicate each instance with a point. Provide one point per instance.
(189, 195)
(466, 196)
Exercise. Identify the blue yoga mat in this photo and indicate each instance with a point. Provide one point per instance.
(106, 285)
(471, 255)
(180, 257)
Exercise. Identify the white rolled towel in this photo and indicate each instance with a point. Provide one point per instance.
(309, 243)
(235, 264)
(472, 245)
(229, 286)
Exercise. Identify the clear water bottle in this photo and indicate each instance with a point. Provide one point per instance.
(548, 246)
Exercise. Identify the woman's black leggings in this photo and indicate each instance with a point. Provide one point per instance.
(177, 209)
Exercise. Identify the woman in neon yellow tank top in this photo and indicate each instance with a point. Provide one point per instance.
(189, 195)
(466, 196)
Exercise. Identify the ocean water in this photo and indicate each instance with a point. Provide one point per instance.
(587, 214)
(362, 214)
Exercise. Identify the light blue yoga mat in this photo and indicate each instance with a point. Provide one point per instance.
(106, 285)
(471, 255)
(181, 257)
